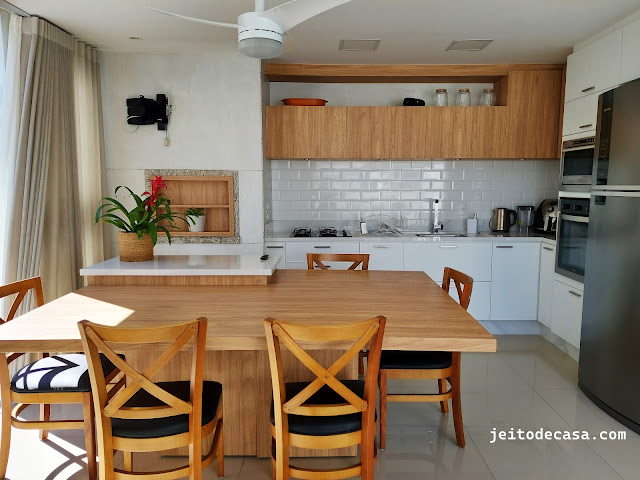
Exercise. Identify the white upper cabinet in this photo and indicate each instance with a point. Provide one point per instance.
(514, 286)
(580, 116)
(630, 62)
(594, 68)
(384, 255)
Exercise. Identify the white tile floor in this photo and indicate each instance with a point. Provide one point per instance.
(529, 383)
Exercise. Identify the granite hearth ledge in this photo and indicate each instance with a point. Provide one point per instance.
(183, 270)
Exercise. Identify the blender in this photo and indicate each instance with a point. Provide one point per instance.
(525, 218)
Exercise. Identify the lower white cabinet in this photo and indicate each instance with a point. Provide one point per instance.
(384, 256)
(296, 252)
(514, 285)
(480, 304)
(581, 116)
(566, 316)
(545, 288)
(474, 259)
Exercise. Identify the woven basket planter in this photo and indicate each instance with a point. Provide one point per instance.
(134, 249)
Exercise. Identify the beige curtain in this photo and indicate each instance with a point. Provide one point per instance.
(58, 174)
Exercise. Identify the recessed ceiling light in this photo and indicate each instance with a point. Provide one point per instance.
(134, 38)
(468, 45)
(359, 45)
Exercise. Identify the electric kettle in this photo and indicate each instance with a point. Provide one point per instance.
(503, 219)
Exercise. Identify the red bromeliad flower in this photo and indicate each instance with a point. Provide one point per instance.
(156, 185)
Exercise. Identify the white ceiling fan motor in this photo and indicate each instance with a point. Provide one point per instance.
(259, 37)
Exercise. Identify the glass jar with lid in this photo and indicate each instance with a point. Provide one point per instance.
(441, 98)
(463, 99)
(488, 98)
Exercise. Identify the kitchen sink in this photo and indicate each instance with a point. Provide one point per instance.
(440, 235)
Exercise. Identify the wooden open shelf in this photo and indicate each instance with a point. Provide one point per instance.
(214, 194)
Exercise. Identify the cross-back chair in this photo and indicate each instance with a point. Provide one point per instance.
(443, 366)
(52, 379)
(146, 416)
(318, 259)
(327, 412)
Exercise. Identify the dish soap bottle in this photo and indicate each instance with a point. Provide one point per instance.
(472, 225)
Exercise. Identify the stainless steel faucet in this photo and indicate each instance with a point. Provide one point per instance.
(438, 226)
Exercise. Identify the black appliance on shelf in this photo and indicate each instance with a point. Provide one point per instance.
(546, 217)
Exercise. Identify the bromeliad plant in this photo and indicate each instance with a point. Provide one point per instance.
(151, 209)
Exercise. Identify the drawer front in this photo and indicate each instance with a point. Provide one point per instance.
(594, 68)
(384, 256)
(474, 259)
(581, 115)
(566, 316)
(297, 251)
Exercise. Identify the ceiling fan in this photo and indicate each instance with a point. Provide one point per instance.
(260, 33)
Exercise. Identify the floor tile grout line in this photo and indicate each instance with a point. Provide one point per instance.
(484, 460)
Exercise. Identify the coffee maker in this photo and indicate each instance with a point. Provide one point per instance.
(546, 218)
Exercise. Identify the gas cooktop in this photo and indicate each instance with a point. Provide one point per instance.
(320, 232)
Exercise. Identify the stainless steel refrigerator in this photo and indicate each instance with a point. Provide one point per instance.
(609, 371)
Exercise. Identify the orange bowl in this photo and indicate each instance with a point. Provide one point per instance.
(305, 102)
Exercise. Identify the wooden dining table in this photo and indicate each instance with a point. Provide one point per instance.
(420, 316)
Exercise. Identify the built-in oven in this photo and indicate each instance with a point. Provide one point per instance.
(576, 164)
(571, 246)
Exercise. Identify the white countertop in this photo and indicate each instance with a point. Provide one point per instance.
(179, 265)
(410, 237)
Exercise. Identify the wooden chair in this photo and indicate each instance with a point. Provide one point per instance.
(146, 416)
(327, 412)
(355, 258)
(54, 379)
(443, 366)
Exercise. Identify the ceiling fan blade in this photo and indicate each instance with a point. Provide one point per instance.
(290, 14)
(197, 20)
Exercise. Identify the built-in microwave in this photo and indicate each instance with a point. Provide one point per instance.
(577, 164)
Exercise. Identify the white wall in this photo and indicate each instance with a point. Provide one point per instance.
(217, 124)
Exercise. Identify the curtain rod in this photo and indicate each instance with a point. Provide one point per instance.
(13, 9)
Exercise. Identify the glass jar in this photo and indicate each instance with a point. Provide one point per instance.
(488, 98)
(463, 98)
(441, 98)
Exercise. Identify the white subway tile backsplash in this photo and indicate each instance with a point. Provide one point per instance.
(330, 195)
(306, 190)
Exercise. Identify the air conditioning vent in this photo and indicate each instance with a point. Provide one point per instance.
(469, 45)
(359, 45)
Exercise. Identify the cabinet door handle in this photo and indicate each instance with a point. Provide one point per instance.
(381, 246)
(575, 294)
(275, 246)
(448, 246)
(588, 89)
(322, 246)
(548, 248)
(504, 246)
(586, 125)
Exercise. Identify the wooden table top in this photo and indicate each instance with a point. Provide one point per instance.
(421, 316)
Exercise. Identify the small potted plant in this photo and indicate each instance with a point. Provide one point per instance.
(140, 225)
(196, 217)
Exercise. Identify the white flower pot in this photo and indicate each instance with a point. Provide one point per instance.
(199, 224)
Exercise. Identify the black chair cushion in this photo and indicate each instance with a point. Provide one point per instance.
(164, 427)
(329, 425)
(58, 373)
(409, 360)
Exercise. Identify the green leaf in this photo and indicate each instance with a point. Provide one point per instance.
(135, 197)
(167, 232)
(153, 231)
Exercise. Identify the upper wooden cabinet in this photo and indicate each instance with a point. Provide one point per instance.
(386, 132)
(533, 126)
(306, 132)
(466, 132)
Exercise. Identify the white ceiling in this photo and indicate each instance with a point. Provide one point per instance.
(412, 31)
